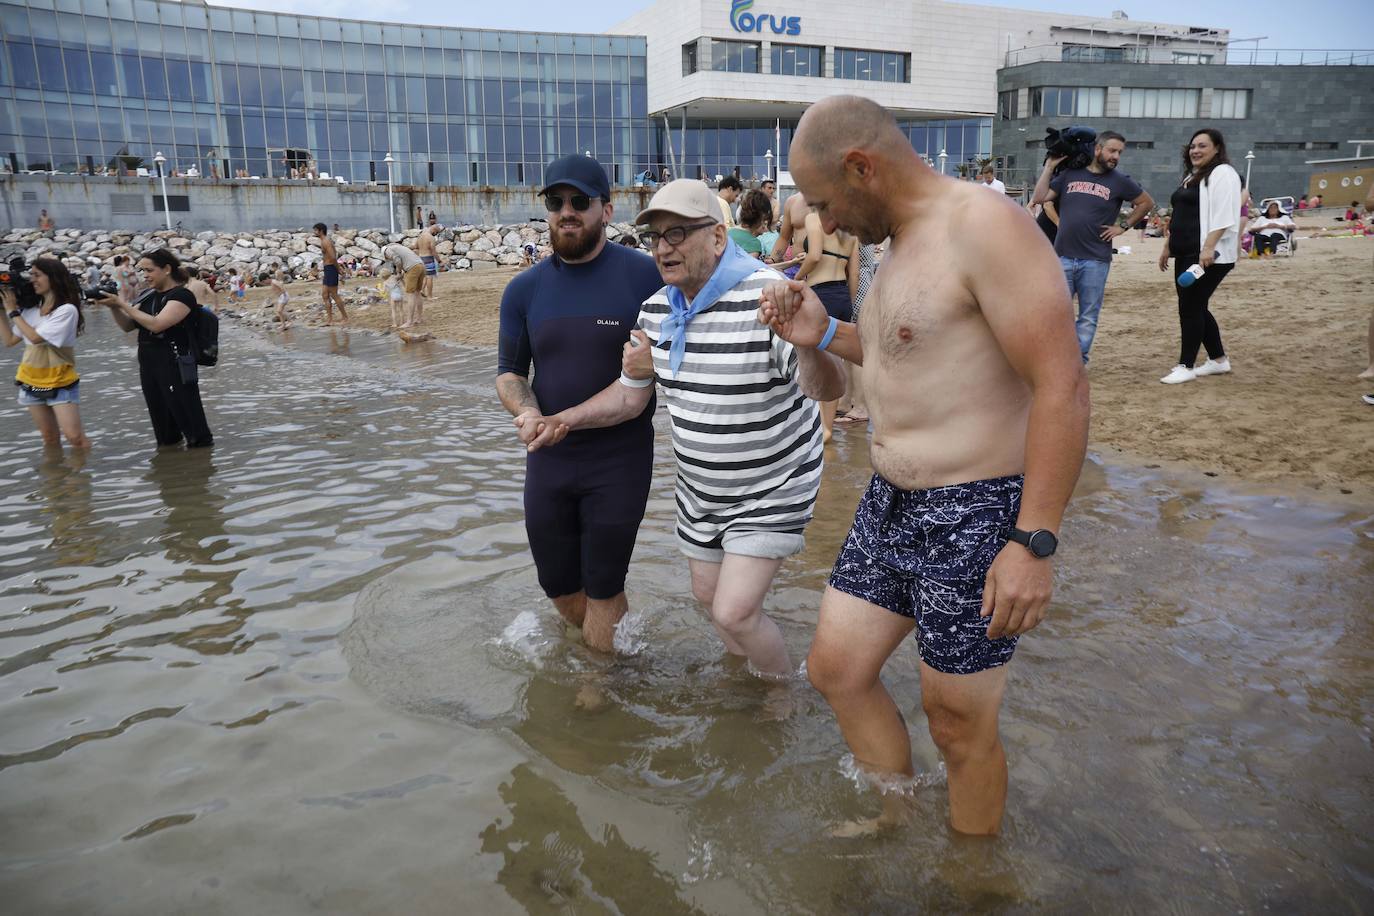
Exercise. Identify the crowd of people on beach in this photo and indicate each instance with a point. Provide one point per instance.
(743, 313)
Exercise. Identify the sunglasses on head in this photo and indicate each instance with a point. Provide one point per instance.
(554, 202)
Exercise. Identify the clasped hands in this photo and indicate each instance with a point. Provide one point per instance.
(794, 312)
(537, 431)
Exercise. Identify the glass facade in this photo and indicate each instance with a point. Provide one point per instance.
(1067, 101)
(726, 147)
(110, 82)
(875, 66)
(90, 85)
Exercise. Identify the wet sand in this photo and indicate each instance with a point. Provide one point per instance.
(1289, 415)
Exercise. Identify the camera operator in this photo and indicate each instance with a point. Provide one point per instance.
(1089, 202)
(48, 382)
(166, 359)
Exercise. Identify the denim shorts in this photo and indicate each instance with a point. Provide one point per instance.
(924, 554)
(69, 395)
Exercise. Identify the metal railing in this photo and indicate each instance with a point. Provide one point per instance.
(1159, 54)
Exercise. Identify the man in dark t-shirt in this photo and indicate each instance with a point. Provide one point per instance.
(1089, 204)
(570, 315)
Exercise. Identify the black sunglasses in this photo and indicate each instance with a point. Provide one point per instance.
(554, 202)
(674, 236)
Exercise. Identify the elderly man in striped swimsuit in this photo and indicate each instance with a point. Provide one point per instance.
(746, 429)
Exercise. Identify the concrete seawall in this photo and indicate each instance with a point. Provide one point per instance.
(242, 205)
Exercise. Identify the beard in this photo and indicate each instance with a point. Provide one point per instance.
(575, 244)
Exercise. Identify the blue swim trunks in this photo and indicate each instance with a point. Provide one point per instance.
(924, 554)
(431, 265)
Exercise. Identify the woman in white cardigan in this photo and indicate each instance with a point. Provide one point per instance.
(1205, 231)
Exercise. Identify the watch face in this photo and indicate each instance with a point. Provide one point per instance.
(1043, 543)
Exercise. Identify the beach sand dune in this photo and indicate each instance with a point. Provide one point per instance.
(1289, 414)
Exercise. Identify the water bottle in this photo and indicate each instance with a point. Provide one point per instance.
(1190, 276)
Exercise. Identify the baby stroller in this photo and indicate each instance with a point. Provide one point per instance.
(1288, 246)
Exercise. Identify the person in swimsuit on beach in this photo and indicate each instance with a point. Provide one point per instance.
(280, 297)
(424, 247)
(329, 276)
(979, 404)
(830, 266)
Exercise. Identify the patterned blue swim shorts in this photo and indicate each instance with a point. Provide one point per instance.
(924, 554)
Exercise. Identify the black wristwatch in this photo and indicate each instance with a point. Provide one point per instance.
(16, 314)
(1041, 542)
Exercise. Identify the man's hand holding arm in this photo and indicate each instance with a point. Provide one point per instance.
(1026, 305)
(796, 314)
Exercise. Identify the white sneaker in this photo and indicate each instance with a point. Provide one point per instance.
(1214, 367)
(1180, 374)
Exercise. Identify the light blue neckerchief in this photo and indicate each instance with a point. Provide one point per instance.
(734, 266)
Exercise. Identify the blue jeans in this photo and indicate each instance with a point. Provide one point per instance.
(1087, 280)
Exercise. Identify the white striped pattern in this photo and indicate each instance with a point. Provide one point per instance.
(748, 442)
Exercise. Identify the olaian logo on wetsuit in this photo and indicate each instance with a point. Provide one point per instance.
(611, 321)
(744, 21)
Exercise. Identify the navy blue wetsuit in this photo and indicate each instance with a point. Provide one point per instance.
(585, 497)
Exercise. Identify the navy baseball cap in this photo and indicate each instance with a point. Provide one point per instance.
(582, 172)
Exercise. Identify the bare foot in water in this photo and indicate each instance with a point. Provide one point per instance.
(590, 698)
(849, 830)
(1368, 373)
(778, 705)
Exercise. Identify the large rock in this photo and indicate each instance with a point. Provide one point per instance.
(462, 264)
(512, 239)
(444, 248)
(461, 247)
(481, 254)
(509, 259)
(470, 235)
(483, 244)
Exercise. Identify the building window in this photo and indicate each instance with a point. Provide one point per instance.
(1296, 145)
(1159, 103)
(689, 59)
(1231, 103)
(875, 66)
(1006, 105)
(798, 60)
(1068, 101)
(735, 56)
(1191, 57)
(1091, 54)
(1140, 144)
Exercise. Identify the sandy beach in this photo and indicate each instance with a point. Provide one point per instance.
(1289, 414)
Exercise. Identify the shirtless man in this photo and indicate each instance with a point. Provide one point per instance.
(424, 247)
(329, 277)
(974, 379)
(793, 229)
(411, 271)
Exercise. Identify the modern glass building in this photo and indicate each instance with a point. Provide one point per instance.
(86, 84)
(696, 85)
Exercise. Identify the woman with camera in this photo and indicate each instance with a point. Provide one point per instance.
(1204, 241)
(48, 383)
(166, 356)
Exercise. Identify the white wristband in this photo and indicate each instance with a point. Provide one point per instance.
(635, 382)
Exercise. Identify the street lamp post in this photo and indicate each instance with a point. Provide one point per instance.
(162, 176)
(1249, 158)
(390, 207)
(768, 158)
(942, 157)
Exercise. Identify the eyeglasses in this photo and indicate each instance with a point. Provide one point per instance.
(554, 202)
(674, 236)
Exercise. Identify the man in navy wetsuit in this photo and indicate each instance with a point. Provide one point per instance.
(570, 315)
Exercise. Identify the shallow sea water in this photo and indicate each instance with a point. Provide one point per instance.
(312, 669)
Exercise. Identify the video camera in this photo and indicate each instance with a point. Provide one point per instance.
(1078, 143)
(16, 279)
(100, 290)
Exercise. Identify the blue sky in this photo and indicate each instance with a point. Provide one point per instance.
(1326, 24)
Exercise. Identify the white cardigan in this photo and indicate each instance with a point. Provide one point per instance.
(1219, 208)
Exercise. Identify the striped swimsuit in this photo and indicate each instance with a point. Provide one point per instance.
(747, 441)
